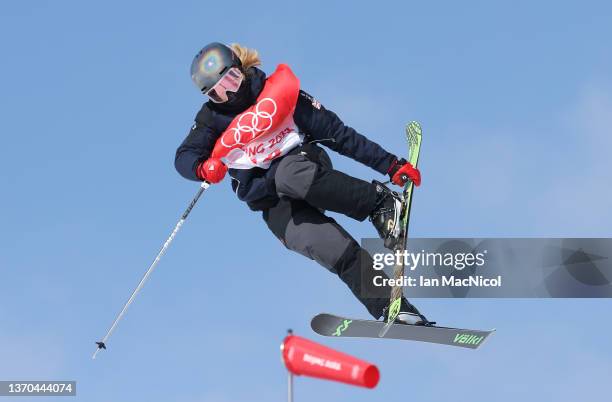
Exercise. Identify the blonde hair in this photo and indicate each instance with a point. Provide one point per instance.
(248, 57)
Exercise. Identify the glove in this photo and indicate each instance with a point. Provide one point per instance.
(211, 170)
(401, 171)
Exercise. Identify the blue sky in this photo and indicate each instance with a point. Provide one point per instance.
(516, 103)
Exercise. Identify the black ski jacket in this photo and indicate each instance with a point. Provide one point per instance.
(256, 185)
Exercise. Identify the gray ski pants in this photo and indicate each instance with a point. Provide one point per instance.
(298, 220)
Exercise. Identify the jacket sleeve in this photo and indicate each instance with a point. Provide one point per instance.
(195, 148)
(325, 126)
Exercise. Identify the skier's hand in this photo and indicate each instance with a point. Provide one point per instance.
(401, 171)
(212, 170)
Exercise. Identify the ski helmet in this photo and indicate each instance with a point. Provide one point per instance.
(211, 63)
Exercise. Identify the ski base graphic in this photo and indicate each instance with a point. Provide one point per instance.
(332, 325)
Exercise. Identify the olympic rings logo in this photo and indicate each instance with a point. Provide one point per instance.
(257, 117)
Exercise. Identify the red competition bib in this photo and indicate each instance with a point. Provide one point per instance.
(266, 130)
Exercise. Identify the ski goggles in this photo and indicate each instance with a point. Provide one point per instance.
(229, 82)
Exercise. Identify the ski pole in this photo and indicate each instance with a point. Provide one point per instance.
(102, 344)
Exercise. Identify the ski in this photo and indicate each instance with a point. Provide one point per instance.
(333, 325)
(413, 136)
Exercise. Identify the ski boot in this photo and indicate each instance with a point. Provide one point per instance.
(408, 315)
(386, 215)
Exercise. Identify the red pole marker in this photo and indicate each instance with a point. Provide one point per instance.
(304, 357)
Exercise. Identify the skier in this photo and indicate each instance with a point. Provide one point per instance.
(266, 132)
